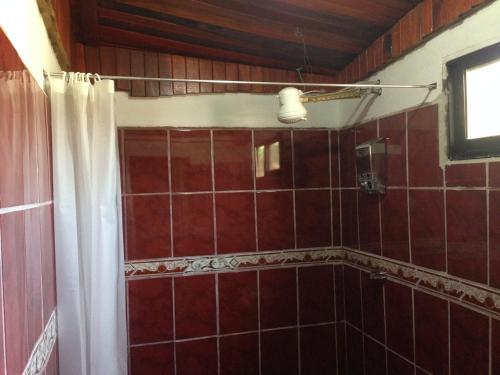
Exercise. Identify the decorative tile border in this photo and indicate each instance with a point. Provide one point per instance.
(476, 295)
(232, 262)
(43, 348)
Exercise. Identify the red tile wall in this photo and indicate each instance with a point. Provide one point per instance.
(27, 276)
(443, 219)
(196, 192)
(210, 201)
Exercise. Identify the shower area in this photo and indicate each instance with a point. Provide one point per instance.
(165, 212)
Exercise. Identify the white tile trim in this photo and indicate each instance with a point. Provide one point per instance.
(43, 348)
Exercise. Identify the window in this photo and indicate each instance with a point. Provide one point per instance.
(474, 104)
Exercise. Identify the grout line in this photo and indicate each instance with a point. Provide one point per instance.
(335, 319)
(408, 206)
(413, 329)
(217, 320)
(214, 207)
(449, 338)
(488, 268)
(357, 195)
(445, 198)
(254, 170)
(438, 188)
(298, 319)
(285, 328)
(385, 330)
(169, 166)
(173, 327)
(490, 346)
(340, 189)
(294, 197)
(127, 317)
(259, 326)
(387, 349)
(381, 236)
(330, 179)
(345, 347)
(362, 321)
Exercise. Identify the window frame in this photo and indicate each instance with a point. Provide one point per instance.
(460, 147)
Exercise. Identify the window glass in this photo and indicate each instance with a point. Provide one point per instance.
(483, 103)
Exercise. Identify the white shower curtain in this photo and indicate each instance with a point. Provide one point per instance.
(89, 246)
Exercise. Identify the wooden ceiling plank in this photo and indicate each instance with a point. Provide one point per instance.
(312, 20)
(88, 20)
(137, 23)
(112, 36)
(205, 13)
(370, 11)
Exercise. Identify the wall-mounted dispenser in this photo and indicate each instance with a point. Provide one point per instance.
(371, 158)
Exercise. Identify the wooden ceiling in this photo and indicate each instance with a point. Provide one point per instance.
(321, 36)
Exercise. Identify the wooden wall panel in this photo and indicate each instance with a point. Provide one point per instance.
(137, 70)
(257, 74)
(219, 72)
(427, 26)
(231, 75)
(151, 70)
(122, 67)
(192, 72)
(292, 76)
(179, 71)
(411, 29)
(425, 20)
(378, 53)
(78, 59)
(92, 60)
(396, 40)
(165, 71)
(110, 60)
(107, 60)
(244, 75)
(206, 73)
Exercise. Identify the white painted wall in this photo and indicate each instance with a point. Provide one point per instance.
(421, 66)
(22, 23)
(221, 110)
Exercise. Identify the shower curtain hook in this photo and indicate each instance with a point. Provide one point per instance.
(97, 77)
(87, 77)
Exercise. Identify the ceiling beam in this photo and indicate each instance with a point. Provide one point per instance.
(112, 36)
(228, 19)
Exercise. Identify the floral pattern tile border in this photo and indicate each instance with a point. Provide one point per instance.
(231, 262)
(479, 296)
(43, 348)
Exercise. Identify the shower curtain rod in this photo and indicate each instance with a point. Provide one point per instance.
(430, 86)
